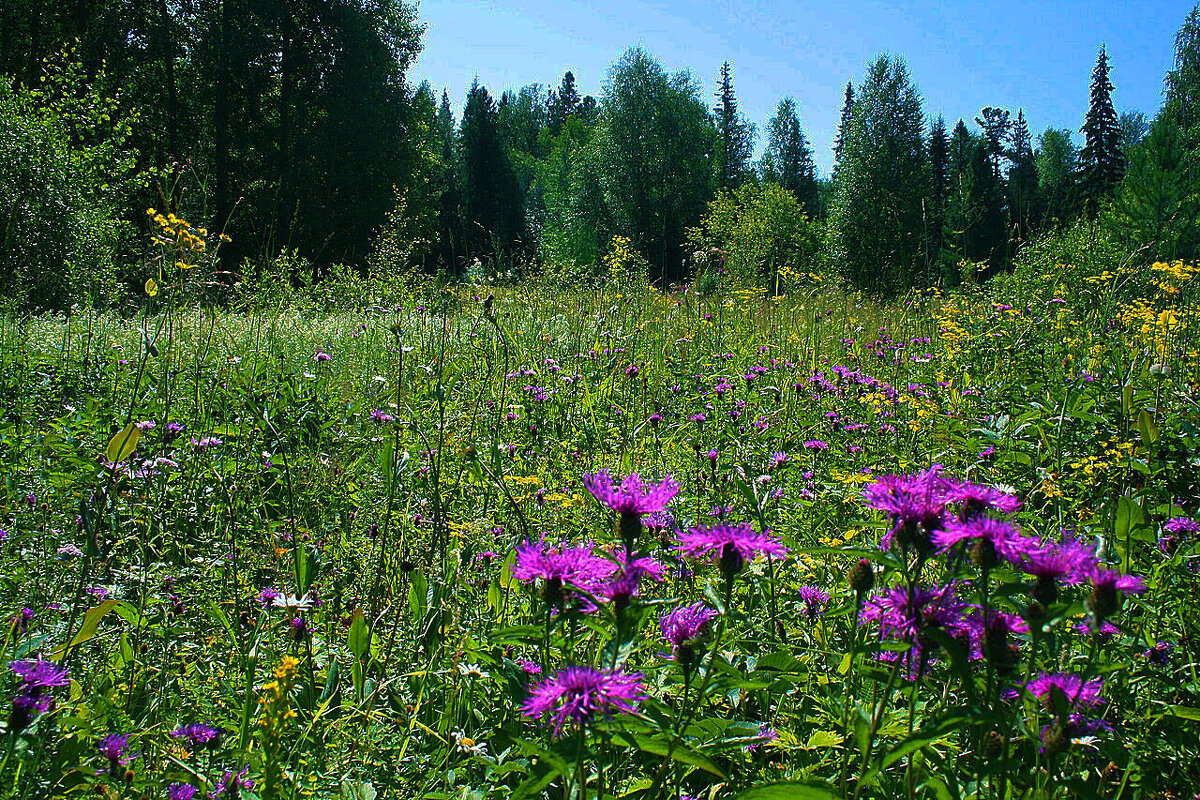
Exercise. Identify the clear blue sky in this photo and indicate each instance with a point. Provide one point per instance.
(1032, 54)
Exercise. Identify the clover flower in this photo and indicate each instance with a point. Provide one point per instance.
(576, 696)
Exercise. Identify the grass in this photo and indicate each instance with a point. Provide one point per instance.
(330, 582)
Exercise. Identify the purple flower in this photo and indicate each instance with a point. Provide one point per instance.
(379, 415)
(196, 734)
(732, 545)
(1080, 695)
(626, 580)
(916, 503)
(994, 641)
(40, 674)
(561, 567)
(1181, 525)
(181, 791)
(576, 696)
(630, 496)
(114, 747)
(816, 444)
(814, 600)
(530, 667)
(684, 625)
(230, 779)
(1070, 561)
(321, 356)
(906, 617)
(1106, 583)
(1160, 654)
(991, 540)
(1059, 735)
(975, 500)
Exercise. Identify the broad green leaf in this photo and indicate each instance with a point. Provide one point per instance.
(87, 630)
(359, 636)
(122, 445)
(680, 753)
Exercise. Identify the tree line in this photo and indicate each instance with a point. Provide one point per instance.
(295, 128)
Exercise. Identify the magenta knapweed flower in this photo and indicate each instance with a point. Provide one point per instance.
(114, 747)
(974, 500)
(916, 503)
(991, 540)
(379, 415)
(1106, 583)
(40, 674)
(529, 667)
(1182, 525)
(1081, 695)
(230, 779)
(626, 580)
(686, 624)
(814, 600)
(816, 444)
(576, 696)
(196, 734)
(561, 568)
(731, 545)
(995, 639)
(1070, 561)
(181, 791)
(321, 356)
(630, 496)
(903, 616)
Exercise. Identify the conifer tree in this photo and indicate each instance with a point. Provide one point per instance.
(939, 185)
(735, 137)
(1022, 179)
(847, 109)
(1101, 163)
(1057, 164)
(788, 158)
(883, 176)
(492, 199)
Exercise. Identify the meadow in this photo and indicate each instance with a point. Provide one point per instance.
(609, 542)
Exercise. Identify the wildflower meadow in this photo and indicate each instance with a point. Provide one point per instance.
(616, 542)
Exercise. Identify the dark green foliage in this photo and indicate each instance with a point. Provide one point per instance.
(655, 151)
(843, 123)
(492, 194)
(735, 137)
(1101, 162)
(1158, 204)
(66, 173)
(1057, 167)
(939, 184)
(788, 158)
(1022, 181)
(877, 219)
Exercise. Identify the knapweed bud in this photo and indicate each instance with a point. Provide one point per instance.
(861, 576)
(994, 746)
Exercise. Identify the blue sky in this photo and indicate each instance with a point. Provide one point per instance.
(1032, 54)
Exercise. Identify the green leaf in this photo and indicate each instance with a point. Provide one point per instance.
(359, 636)
(1129, 517)
(87, 630)
(786, 791)
(680, 753)
(1147, 428)
(122, 445)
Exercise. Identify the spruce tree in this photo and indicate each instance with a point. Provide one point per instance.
(1101, 162)
(939, 185)
(788, 158)
(735, 137)
(492, 198)
(1022, 179)
(843, 122)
